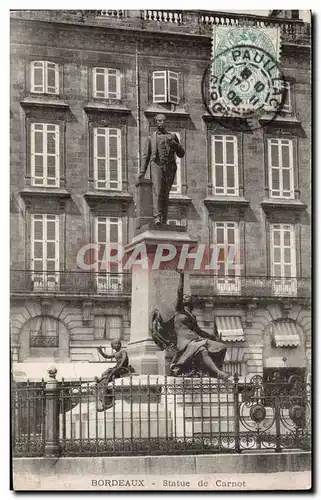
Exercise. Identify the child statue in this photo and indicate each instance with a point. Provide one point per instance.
(121, 369)
(122, 364)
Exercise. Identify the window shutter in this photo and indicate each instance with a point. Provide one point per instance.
(118, 80)
(51, 78)
(114, 159)
(159, 86)
(45, 247)
(280, 167)
(108, 230)
(51, 235)
(101, 158)
(36, 154)
(99, 82)
(112, 83)
(226, 239)
(44, 77)
(45, 154)
(106, 83)
(37, 243)
(283, 254)
(173, 94)
(37, 76)
(225, 165)
(177, 184)
(52, 157)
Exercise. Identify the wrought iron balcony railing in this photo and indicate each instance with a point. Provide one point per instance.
(203, 285)
(72, 282)
(43, 341)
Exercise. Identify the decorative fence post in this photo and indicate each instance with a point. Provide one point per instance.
(52, 415)
(278, 448)
(236, 413)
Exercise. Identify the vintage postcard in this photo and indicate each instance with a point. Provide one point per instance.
(160, 207)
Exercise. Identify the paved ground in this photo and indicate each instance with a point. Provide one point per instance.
(217, 482)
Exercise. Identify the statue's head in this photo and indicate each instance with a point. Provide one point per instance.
(115, 344)
(160, 121)
(188, 302)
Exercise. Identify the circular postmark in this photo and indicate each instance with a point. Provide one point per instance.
(241, 85)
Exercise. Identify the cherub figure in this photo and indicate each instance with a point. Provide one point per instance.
(121, 367)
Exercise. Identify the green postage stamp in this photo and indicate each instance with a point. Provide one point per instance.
(245, 77)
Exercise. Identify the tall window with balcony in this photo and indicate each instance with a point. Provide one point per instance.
(227, 253)
(45, 155)
(165, 87)
(225, 171)
(106, 83)
(107, 158)
(44, 77)
(45, 251)
(283, 259)
(108, 236)
(280, 167)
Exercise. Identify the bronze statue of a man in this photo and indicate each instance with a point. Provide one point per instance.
(160, 150)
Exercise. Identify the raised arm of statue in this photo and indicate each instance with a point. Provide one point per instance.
(101, 352)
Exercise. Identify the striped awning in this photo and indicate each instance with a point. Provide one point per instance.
(229, 328)
(285, 334)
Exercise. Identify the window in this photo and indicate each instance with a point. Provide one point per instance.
(44, 77)
(227, 248)
(177, 184)
(45, 154)
(108, 327)
(225, 165)
(107, 158)
(44, 332)
(165, 87)
(45, 250)
(280, 165)
(283, 259)
(282, 92)
(106, 83)
(108, 230)
(174, 222)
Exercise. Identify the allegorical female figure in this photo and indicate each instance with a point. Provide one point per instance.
(195, 348)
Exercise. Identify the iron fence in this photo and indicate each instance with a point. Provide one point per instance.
(28, 409)
(153, 415)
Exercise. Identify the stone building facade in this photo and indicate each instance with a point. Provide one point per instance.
(85, 86)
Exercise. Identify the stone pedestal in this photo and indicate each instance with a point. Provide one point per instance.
(144, 202)
(153, 287)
